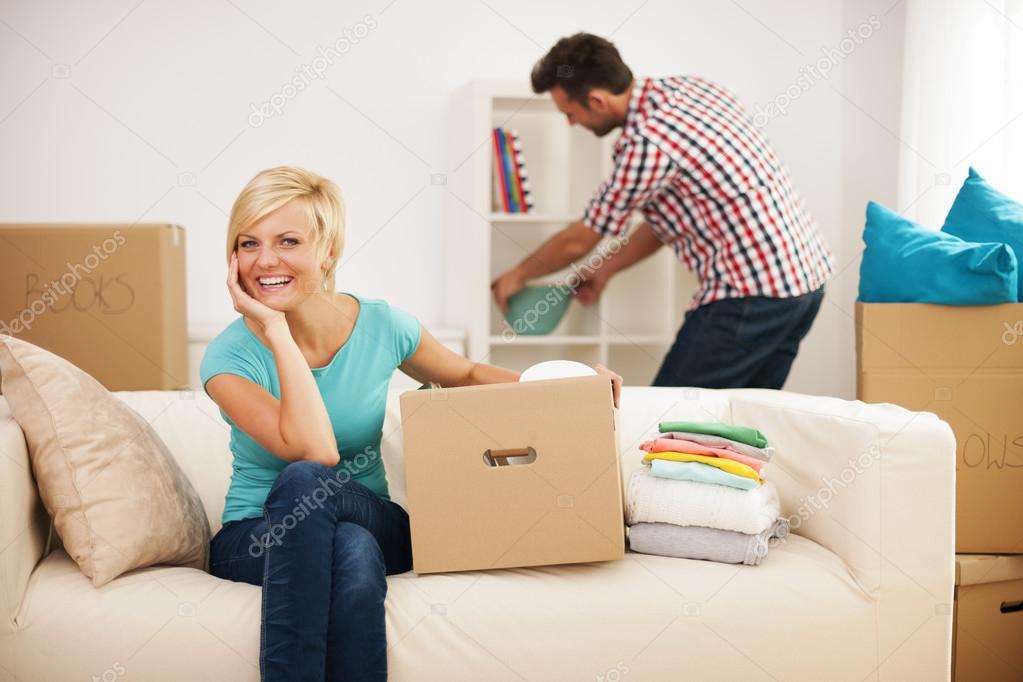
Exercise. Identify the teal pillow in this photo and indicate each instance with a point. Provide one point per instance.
(904, 262)
(981, 213)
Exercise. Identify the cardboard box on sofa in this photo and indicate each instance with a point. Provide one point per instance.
(988, 618)
(471, 507)
(109, 298)
(965, 364)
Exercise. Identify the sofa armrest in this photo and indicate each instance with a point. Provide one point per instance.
(875, 484)
(24, 523)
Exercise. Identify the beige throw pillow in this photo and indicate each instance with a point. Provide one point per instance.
(118, 498)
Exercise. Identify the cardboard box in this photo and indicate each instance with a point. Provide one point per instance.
(109, 298)
(557, 500)
(965, 364)
(988, 618)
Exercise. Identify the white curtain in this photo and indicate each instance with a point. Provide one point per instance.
(962, 102)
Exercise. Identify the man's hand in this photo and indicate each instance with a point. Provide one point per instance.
(591, 285)
(506, 286)
(558, 252)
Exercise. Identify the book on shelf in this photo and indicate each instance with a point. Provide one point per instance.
(499, 184)
(509, 173)
(510, 179)
(521, 176)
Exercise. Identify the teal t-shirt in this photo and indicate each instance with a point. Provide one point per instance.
(354, 389)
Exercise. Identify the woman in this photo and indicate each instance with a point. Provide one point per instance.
(302, 380)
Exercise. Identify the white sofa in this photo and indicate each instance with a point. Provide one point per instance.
(862, 589)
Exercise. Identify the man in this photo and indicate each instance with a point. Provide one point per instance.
(708, 185)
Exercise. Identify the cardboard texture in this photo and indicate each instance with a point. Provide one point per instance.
(471, 507)
(988, 627)
(109, 298)
(965, 364)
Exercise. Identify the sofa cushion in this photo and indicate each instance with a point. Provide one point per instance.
(117, 497)
(658, 617)
(829, 493)
(191, 426)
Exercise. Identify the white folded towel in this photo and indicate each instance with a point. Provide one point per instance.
(650, 499)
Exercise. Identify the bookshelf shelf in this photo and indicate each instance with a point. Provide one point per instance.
(547, 340)
(641, 340)
(635, 321)
(534, 218)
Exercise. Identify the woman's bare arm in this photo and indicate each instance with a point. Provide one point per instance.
(433, 362)
(296, 427)
(304, 423)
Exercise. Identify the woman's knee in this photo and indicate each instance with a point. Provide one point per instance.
(358, 557)
(303, 478)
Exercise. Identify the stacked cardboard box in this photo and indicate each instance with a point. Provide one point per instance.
(965, 364)
(108, 298)
(988, 618)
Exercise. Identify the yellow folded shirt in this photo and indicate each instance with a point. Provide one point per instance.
(729, 465)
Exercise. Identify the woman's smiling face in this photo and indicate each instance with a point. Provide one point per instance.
(277, 258)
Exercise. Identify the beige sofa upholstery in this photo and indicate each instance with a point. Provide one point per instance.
(861, 590)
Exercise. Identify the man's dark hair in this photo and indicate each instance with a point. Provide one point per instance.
(579, 63)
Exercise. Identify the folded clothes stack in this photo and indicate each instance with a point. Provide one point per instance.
(704, 494)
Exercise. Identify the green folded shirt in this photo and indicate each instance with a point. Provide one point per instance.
(743, 434)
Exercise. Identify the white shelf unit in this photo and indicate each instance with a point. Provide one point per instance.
(635, 321)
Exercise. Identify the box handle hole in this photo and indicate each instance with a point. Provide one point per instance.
(509, 457)
(1012, 606)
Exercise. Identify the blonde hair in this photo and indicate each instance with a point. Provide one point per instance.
(272, 188)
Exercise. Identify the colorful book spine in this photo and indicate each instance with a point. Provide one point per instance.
(500, 181)
(521, 176)
(509, 173)
(512, 192)
(516, 180)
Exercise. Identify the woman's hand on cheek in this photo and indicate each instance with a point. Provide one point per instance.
(243, 302)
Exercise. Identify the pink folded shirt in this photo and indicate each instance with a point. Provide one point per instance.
(689, 447)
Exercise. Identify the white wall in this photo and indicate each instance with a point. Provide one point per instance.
(129, 111)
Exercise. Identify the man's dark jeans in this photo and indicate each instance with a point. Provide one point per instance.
(739, 342)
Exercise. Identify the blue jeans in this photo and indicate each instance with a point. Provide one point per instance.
(739, 342)
(320, 552)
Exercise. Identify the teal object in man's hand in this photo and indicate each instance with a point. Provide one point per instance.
(537, 310)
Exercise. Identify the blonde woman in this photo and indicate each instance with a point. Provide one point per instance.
(301, 377)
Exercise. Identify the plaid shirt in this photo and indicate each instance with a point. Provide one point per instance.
(691, 161)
